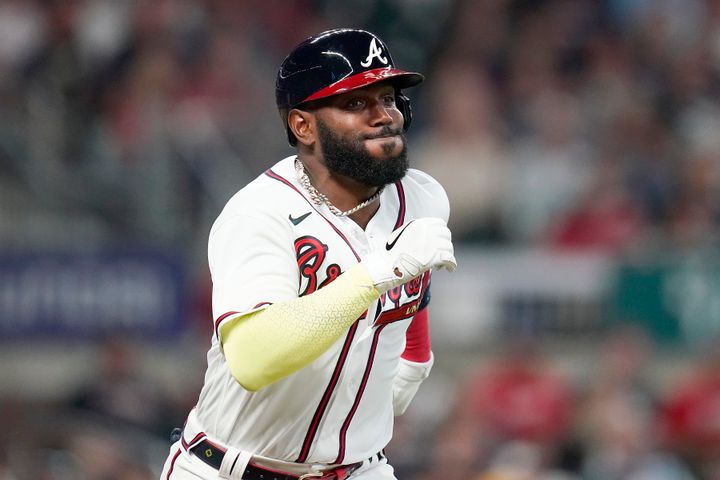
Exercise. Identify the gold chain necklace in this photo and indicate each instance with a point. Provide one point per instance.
(320, 198)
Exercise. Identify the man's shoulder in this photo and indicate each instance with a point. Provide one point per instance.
(271, 188)
(419, 177)
(426, 193)
(269, 193)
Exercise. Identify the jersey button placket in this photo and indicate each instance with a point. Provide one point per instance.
(353, 384)
(363, 241)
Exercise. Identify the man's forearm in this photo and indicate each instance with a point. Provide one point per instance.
(265, 346)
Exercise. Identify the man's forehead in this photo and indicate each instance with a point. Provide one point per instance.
(374, 88)
(381, 85)
(377, 88)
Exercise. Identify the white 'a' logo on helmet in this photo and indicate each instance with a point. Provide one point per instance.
(374, 52)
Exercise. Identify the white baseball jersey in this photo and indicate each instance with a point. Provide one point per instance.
(271, 244)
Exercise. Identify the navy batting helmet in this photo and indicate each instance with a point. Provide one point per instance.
(334, 62)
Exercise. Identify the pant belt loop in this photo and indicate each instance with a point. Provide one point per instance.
(234, 464)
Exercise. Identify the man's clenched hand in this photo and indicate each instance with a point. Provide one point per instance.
(412, 249)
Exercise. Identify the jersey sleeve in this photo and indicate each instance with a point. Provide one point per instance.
(252, 264)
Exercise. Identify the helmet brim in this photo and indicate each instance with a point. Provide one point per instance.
(400, 78)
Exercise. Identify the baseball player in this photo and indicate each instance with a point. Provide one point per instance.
(321, 273)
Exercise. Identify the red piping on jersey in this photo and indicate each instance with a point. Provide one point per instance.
(401, 198)
(188, 445)
(219, 321)
(309, 437)
(322, 406)
(327, 395)
(358, 396)
(172, 464)
(277, 177)
(371, 359)
(227, 314)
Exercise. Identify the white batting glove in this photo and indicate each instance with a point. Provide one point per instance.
(412, 249)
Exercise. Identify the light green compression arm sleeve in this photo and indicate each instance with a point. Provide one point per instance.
(265, 346)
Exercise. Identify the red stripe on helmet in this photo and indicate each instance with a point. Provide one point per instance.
(368, 77)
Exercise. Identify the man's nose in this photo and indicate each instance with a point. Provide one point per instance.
(381, 114)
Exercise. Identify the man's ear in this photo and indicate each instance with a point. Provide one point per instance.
(302, 125)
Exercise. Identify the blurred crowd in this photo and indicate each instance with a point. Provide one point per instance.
(134, 122)
(568, 124)
(522, 416)
(579, 124)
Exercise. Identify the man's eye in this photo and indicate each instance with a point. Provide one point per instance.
(389, 100)
(354, 104)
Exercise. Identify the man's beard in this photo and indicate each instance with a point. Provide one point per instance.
(349, 157)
